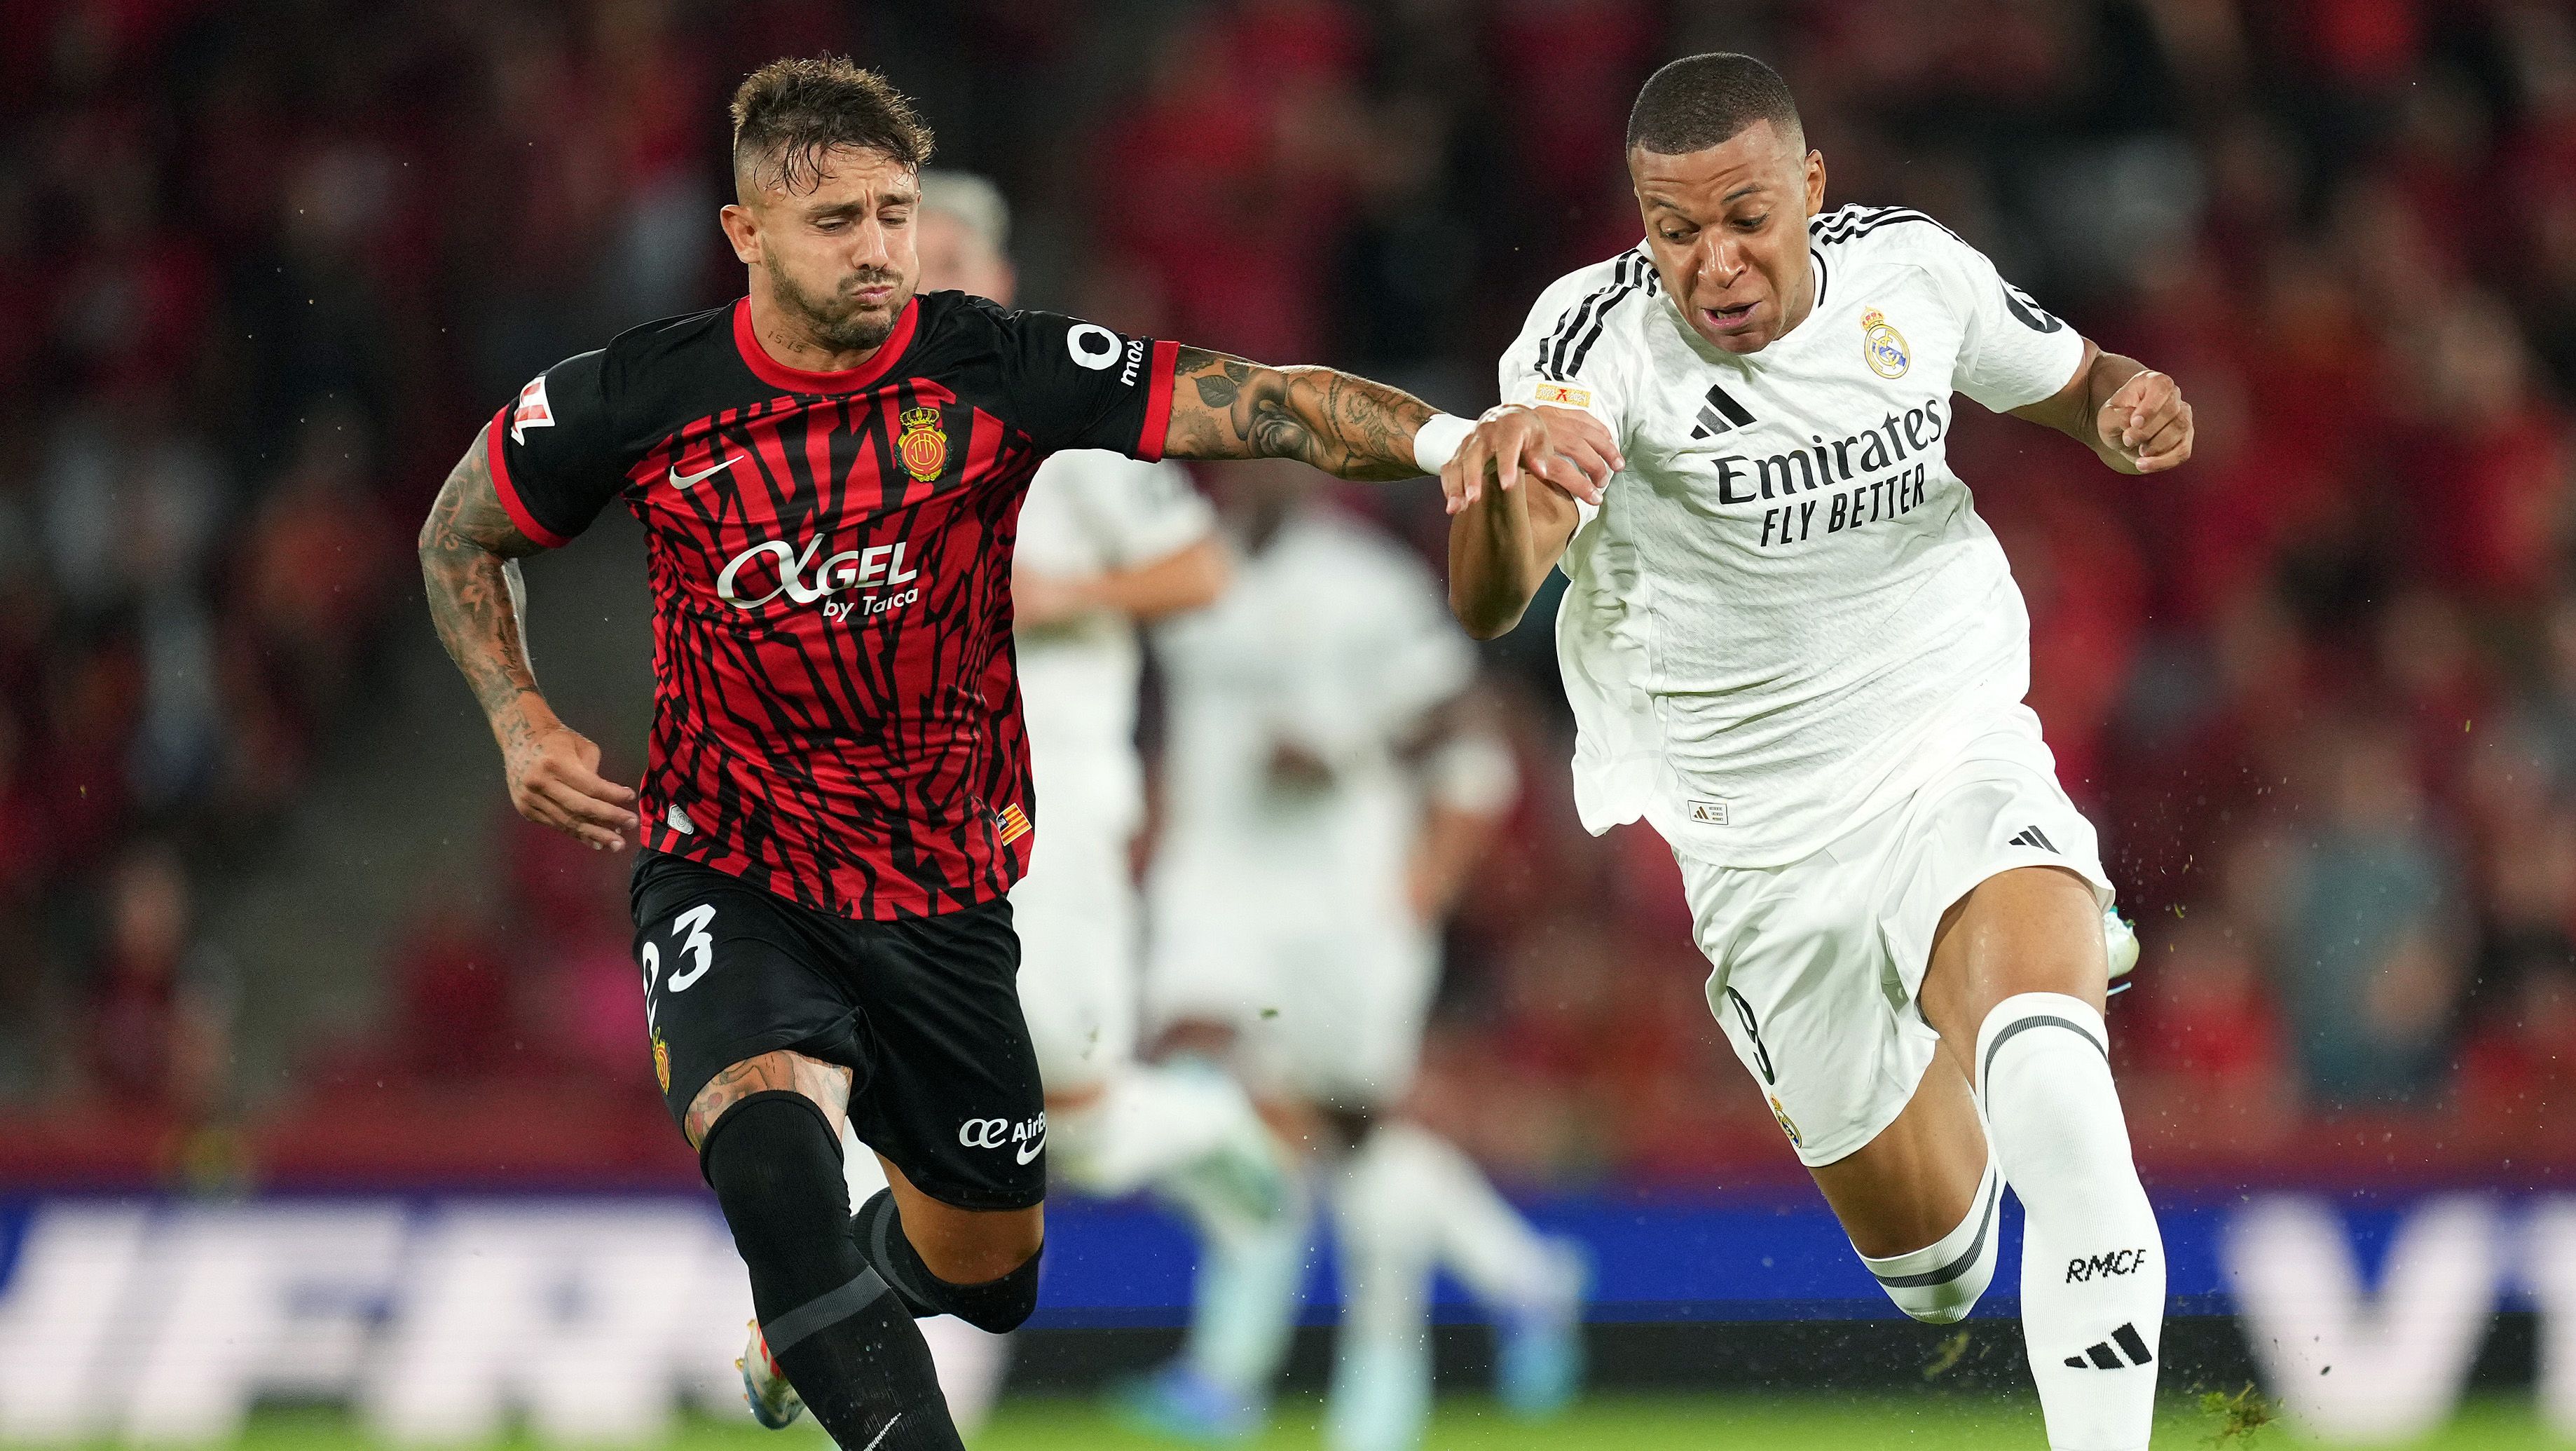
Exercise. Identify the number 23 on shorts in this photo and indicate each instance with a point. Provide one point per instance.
(694, 946)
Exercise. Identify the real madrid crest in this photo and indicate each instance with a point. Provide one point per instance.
(923, 445)
(1786, 1126)
(1882, 346)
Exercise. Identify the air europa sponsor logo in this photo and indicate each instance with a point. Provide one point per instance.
(877, 566)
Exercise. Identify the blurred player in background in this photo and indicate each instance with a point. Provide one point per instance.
(1330, 780)
(1793, 647)
(837, 798)
(1105, 543)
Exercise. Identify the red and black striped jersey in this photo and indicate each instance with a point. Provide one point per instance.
(836, 709)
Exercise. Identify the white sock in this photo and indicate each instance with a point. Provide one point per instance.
(1940, 1283)
(1386, 1223)
(970, 1362)
(1151, 1121)
(1477, 1235)
(1251, 1280)
(2093, 1265)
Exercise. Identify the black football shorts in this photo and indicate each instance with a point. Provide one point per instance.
(924, 1011)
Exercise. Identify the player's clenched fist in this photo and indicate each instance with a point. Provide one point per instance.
(555, 781)
(1566, 447)
(2145, 425)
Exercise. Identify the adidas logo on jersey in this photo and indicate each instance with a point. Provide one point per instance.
(2101, 1356)
(2032, 836)
(1719, 412)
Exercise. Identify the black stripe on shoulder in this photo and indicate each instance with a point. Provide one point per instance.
(1551, 361)
(1583, 327)
(1853, 223)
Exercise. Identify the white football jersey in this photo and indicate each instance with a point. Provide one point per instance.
(1786, 605)
(1088, 512)
(1337, 640)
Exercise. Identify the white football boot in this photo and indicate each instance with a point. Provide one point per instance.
(2121, 941)
(774, 1403)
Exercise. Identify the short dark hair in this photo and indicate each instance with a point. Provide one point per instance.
(791, 113)
(1702, 101)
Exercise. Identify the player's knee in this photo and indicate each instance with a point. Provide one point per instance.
(1942, 1282)
(775, 1166)
(998, 1304)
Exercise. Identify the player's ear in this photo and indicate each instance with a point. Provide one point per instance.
(743, 230)
(1815, 182)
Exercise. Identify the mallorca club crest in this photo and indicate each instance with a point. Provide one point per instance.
(1882, 346)
(662, 1062)
(924, 444)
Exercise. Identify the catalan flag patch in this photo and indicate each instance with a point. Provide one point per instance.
(1011, 822)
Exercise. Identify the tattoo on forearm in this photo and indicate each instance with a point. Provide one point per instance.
(469, 561)
(1339, 423)
(828, 1084)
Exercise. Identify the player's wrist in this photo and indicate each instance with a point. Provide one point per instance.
(1438, 440)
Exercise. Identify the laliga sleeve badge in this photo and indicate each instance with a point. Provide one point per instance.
(662, 1064)
(1786, 1127)
(924, 444)
(1882, 346)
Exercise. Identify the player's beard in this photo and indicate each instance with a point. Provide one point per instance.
(837, 322)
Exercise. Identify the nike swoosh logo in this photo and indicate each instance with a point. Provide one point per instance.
(1030, 1149)
(680, 480)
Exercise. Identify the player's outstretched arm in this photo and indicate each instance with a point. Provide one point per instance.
(2123, 410)
(469, 554)
(1225, 407)
(1505, 534)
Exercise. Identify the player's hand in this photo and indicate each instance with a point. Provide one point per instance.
(1039, 599)
(1567, 448)
(2145, 425)
(555, 781)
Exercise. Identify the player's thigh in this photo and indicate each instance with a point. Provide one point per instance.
(1801, 984)
(1917, 1178)
(740, 996)
(2031, 929)
(964, 1246)
(952, 1097)
(1076, 916)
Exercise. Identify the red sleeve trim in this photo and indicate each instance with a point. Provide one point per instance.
(1158, 401)
(509, 491)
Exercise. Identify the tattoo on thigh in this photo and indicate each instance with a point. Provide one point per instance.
(828, 1084)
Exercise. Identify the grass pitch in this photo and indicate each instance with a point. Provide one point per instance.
(1929, 1422)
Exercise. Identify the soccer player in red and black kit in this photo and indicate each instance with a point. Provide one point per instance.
(837, 797)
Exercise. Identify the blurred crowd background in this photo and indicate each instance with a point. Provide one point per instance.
(266, 266)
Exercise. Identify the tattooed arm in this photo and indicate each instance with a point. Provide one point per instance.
(1224, 407)
(469, 559)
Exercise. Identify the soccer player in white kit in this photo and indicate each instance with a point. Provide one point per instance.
(1105, 544)
(1329, 780)
(1794, 649)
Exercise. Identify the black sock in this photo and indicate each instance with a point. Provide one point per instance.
(846, 1342)
(995, 1305)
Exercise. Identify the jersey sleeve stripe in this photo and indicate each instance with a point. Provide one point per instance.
(1158, 400)
(509, 492)
(1641, 278)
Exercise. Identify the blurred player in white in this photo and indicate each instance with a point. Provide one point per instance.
(1329, 780)
(1105, 543)
(1794, 649)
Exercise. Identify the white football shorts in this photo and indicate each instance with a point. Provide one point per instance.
(1815, 966)
(1327, 1000)
(1076, 914)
